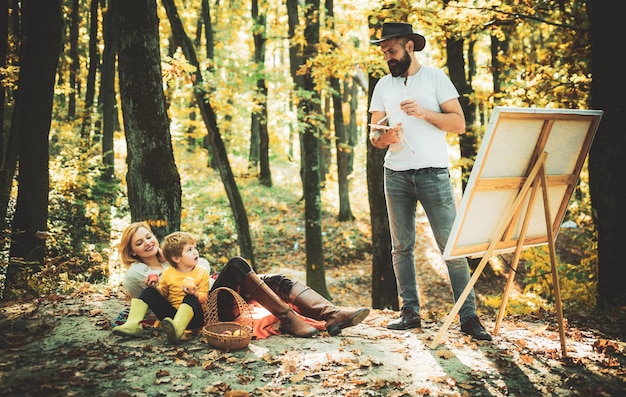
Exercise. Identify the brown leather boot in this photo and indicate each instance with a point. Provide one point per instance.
(253, 288)
(309, 303)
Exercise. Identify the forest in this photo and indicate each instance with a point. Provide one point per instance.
(78, 148)
(82, 131)
(245, 122)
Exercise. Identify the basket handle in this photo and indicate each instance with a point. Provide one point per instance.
(211, 314)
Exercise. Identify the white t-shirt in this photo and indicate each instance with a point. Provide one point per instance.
(136, 274)
(430, 87)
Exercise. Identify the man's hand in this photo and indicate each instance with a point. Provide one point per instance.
(381, 138)
(411, 107)
(450, 119)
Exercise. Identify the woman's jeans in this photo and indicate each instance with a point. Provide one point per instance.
(433, 189)
(232, 276)
(237, 268)
(162, 308)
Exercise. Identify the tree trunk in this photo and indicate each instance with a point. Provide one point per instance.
(344, 151)
(606, 180)
(384, 288)
(316, 278)
(253, 153)
(42, 22)
(456, 68)
(217, 144)
(342, 142)
(8, 138)
(265, 172)
(210, 53)
(208, 28)
(351, 91)
(259, 118)
(324, 138)
(309, 110)
(4, 49)
(468, 142)
(107, 100)
(94, 60)
(295, 60)
(154, 191)
(74, 60)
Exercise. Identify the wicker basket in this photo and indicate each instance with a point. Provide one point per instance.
(218, 333)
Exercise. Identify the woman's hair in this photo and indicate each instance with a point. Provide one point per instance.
(174, 243)
(125, 248)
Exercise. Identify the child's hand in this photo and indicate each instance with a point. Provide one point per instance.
(189, 286)
(190, 290)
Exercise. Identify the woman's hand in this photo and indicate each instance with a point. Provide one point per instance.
(151, 280)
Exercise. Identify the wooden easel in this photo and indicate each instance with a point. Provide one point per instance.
(535, 180)
(511, 169)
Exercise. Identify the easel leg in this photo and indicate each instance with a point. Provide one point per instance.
(557, 299)
(500, 230)
(460, 301)
(553, 261)
(518, 253)
(505, 295)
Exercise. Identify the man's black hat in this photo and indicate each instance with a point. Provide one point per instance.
(400, 29)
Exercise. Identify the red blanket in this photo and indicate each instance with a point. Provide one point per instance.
(266, 324)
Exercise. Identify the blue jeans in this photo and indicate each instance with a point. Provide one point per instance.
(433, 189)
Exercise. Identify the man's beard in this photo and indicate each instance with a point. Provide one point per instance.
(398, 68)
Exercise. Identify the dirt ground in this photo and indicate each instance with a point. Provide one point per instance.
(63, 346)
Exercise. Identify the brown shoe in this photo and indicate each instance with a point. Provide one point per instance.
(309, 303)
(344, 318)
(253, 288)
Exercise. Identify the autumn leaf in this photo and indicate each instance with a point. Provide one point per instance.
(298, 377)
(165, 379)
(237, 393)
(539, 330)
(466, 385)
(605, 346)
(208, 365)
(446, 354)
(161, 373)
(526, 359)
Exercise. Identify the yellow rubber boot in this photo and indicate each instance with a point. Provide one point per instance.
(132, 326)
(174, 328)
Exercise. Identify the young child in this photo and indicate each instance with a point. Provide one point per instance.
(185, 285)
(177, 300)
